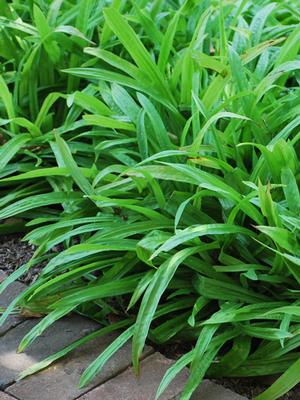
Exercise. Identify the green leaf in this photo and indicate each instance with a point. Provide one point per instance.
(39, 328)
(290, 48)
(199, 137)
(61, 353)
(136, 49)
(36, 201)
(96, 366)
(9, 149)
(102, 290)
(198, 231)
(125, 102)
(258, 22)
(45, 32)
(107, 122)
(91, 103)
(72, 167)
(282, 237)
(199, 360)
(161, 135)
(291, 190)
(25, 123)
(282, 385)
(7, 99)
(151, 299)
(173, 371)
(166, 44)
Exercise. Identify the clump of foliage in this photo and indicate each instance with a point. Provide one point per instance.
(157, 143)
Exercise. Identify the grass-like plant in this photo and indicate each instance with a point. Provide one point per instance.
(157, 143)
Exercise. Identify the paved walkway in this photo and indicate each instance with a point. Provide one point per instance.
(59, 381)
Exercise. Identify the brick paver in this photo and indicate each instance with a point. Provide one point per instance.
(127, 386)
(5, 396)
(211, 391)
(60, 381)
(5, 299)
(53, 339)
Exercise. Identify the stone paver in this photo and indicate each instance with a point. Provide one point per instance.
(211, 391)
(60, 381)
(5, 299)
(5, 396)
(116, 381)
(2, 275)
(127, 386)
(53, 339)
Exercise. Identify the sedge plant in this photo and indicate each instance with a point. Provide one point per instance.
(157, 143)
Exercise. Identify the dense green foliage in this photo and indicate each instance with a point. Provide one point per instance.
(156, 142)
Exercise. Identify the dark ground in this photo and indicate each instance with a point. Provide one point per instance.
(251, 387)
(248, 387)
(14, 253)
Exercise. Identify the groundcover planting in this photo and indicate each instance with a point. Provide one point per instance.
(156, 142)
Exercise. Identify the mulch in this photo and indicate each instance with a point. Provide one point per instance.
(14, 253)
(252, 387)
